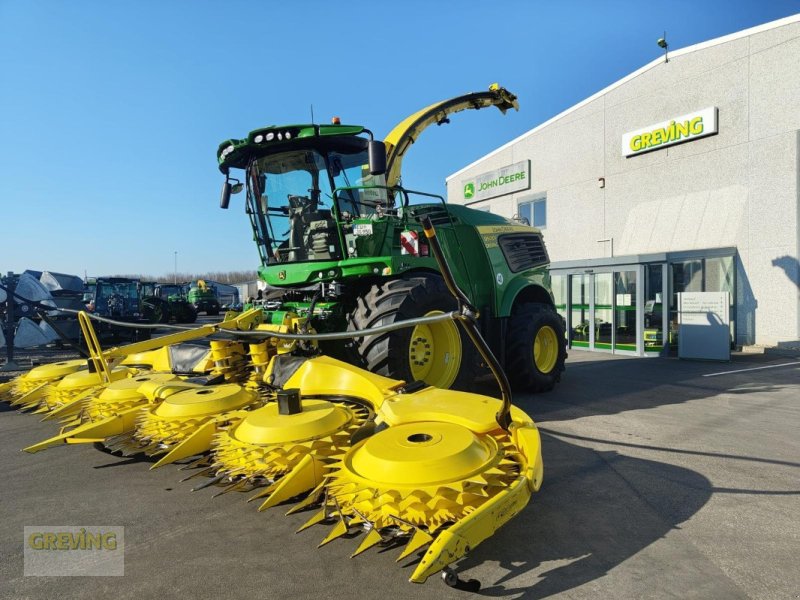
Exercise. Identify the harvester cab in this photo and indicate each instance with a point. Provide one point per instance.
(341, 242)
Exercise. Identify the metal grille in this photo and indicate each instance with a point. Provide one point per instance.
(523, 251)
(439, 216)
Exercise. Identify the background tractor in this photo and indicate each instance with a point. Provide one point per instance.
(340, 241)
(165, 302)
(203, 298)
(119, 299)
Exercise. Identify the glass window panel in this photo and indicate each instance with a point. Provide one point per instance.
(558, 284)
(534, 211)
(579, 334)
(625, 308)
(719, 274)
(603, 310)
(524, 211)
(539, 213)
(719, 278)
(687, 276)
(653, 305)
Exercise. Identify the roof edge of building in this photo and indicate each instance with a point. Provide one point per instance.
(693, 48)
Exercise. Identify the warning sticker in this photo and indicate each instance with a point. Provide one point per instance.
(409, 243)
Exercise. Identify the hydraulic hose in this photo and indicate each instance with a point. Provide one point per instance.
(467, 316)
(338, 335)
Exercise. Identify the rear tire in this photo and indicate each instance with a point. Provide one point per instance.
(422, 353)
(536, 348)
(154, 310)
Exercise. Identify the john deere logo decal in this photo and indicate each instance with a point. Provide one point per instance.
(469, 190)
(281, 275)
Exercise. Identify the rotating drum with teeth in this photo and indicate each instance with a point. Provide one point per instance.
(100, 412)
(28, 389)
(427, 474)
(122, 395)
(184, 422)
(286, 452)
(72, 386)
(443, 473)
(111, 400)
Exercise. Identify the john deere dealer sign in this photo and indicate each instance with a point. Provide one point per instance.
(512, 178)
(679, 129)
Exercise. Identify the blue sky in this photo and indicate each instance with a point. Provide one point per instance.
(111, 112)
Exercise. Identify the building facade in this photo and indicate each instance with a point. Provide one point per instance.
(683, 176)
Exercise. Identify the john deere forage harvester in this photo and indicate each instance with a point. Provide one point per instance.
(341, 242)
(258, 409)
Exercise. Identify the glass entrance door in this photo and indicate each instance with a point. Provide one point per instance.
(579, 334)
(603, 310)
(625, 310)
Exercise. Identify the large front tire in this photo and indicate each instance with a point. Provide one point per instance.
(439, 354)
(536, 348)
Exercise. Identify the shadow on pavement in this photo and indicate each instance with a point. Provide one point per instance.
(592, 512)
(613, 385)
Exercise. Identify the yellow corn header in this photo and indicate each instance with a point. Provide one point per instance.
(394, 461)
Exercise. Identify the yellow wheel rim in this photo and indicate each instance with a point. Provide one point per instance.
(434, 352)
(545, 349)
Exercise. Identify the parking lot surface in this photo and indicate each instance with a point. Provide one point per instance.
(663, 479)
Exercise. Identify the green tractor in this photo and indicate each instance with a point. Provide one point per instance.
(203, 298)
(340, 241)
(165, 302)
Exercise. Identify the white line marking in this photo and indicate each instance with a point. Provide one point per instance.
(753, 369)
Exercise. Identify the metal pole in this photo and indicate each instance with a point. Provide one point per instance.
(11, 285)
(176, 268)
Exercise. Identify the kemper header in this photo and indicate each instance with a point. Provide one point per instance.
(680, 129)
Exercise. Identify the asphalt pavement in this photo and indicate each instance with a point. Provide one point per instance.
(663, 479)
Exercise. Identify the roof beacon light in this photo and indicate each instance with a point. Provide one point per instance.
(336, 121)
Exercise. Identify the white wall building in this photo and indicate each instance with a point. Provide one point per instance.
(683, 176)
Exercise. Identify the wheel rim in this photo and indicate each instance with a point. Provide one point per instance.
(434, 352)
(545, 349)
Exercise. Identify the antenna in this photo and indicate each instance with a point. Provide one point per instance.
(312, 114)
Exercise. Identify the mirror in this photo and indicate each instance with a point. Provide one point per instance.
(227, 189)
(225, 198)
(377, 157)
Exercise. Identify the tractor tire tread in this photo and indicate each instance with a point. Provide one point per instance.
(394, 300)
(525, 322)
